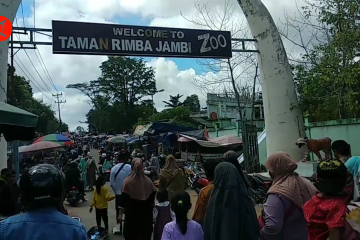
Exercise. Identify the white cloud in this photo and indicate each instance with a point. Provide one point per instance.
(67, 69)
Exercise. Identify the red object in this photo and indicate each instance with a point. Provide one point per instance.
(267, 184)
(322, 214)
(6, 28)
(68, 143)
(213, 115)
(73, 187)
(203, 182)
(206, 133)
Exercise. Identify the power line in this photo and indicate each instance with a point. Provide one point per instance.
(27, 73)
(37, 71)
(58, 102)
(39, 57)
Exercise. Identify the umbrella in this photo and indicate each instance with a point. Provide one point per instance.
(66, 143)
(22, 148)
(41, 146)
(16, 123)
(117, 139)
(53, 138)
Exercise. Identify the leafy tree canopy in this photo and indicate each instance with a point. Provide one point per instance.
(121, 98)
(328, 82)
(20, 94)
(174, 101)
(192, 103)
(118, 96)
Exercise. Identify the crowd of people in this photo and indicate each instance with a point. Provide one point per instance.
(295, 208)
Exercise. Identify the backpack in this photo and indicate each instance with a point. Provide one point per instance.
(351, 229)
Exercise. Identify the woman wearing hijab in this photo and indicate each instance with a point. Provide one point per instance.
(282, 217)
(172, 178)
(232, 157)
(230, 214)
(91, 171)
(353, 166)
(137, 203)
(83, 170)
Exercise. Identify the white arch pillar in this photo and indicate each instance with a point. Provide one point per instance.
(283, 123)
(8, 9)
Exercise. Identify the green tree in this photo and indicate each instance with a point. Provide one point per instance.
(177, 115)
(20, 94)
(328, 80)
(174, 101)
(192, 103)
(80, 130)
(117, 96)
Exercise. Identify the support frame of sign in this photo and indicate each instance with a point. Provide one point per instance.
(201, 43)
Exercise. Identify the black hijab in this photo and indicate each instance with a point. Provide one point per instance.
(232, 158)
(230, 214)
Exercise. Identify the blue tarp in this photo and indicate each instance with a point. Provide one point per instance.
(159, 128)
(133, 140)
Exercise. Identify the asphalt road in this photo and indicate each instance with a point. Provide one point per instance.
(88, 219)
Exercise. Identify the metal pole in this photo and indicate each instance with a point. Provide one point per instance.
(15, 144)
(153, 104)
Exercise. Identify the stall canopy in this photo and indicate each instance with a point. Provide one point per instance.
(157, 128)
(226, 140)
(16, 123)
(168, 138)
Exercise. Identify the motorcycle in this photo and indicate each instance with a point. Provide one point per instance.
(97, 233)
(74, 196)
(196, 178)
(259, 185)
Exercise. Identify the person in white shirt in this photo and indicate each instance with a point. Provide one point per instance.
(117, 175)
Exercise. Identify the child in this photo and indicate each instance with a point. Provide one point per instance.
(325, 211)
(162, 214)
(182, 228)
(100, 200)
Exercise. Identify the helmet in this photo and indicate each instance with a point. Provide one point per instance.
(162, 157)
(42, 186)
(103, 155)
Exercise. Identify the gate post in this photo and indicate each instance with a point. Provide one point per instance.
(283, 120)
(8, 9)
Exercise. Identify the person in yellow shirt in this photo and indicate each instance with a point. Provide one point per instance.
(100, 200)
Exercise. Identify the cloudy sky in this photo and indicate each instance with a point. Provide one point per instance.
(50, 73)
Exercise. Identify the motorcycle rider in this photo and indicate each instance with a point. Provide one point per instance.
(154, 167)
(117, 175)
(42, 192)
(162, 160)
(73, 178)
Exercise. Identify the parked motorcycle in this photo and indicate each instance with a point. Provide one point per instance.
(196, 177)
(74, 196)
(259, 185)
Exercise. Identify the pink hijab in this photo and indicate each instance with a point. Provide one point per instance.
(137, 185)
(286, 182)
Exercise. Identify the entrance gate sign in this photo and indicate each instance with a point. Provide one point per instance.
(127, 40)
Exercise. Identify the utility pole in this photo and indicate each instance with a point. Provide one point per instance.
(58, 101)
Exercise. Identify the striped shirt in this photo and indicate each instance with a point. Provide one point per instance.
(116, 184)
